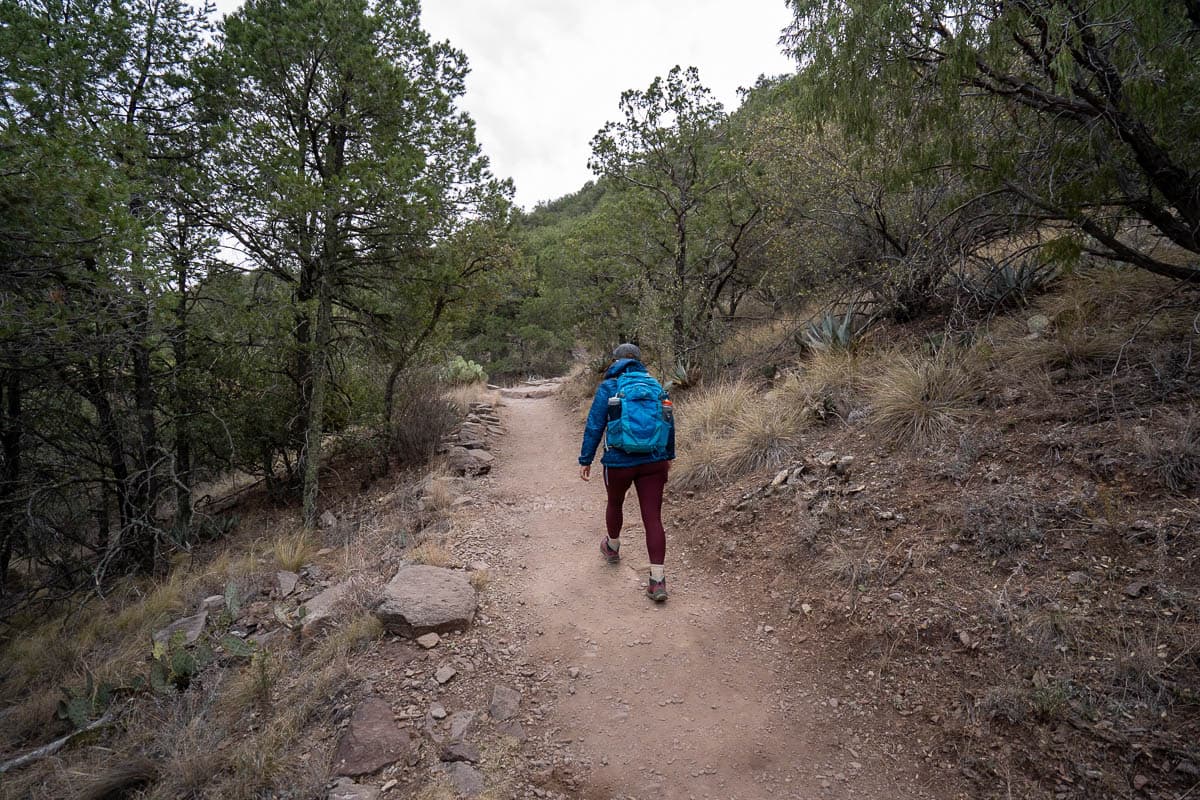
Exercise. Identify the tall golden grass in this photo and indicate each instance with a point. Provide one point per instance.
(730, 429)
(918, 400)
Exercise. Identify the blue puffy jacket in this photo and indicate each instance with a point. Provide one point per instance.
(597, 422)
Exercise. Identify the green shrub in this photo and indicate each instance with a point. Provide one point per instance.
(459, 371)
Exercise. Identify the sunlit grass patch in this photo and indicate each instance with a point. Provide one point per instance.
(293, 551)
(713, 410)
(462, 396)
(432, 553)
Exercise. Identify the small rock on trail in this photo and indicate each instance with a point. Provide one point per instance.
(372, 741)
(422, 599)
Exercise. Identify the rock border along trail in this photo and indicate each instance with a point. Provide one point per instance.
(684, 700)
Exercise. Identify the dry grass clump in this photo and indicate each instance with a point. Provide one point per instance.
(480, 579)
(752, 342)
(361, 629)
(731, 429)
(439, 492)
(421, 418)
(268, 760)
(435, 554)
(579, 386)
(462, 396)
(1002, 521)
(829, 385)
(1094, 317)
(706, 418)
(28, 718)
(698, 464)
(917, 401)
(764, 436)
(713, 411)
(1173, 454)
(293, 551)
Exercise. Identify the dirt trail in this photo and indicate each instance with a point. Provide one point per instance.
(684, 700)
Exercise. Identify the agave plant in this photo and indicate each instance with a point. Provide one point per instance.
(681, 376)
(1008, 283)
(836, 331)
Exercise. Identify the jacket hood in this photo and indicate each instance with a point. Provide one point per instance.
(622, 364)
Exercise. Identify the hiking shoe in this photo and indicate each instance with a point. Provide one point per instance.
(657, 590)
(610, 555)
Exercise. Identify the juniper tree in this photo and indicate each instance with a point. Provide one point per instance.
(672, 149)
(344, 166)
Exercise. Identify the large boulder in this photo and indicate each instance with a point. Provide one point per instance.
(372, 741)
(469, 461)
(423, 599)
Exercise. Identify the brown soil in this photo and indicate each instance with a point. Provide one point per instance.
(720, 692)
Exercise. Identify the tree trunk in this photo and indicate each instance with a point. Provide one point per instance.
(147, 485)
(316, 404)
(679, 334)
(10, 444)
(183, 402)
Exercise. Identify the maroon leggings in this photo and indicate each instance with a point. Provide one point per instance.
(650, 479)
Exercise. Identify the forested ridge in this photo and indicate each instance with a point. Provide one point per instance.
(247, 266)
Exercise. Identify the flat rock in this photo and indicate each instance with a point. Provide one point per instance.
(461, 724)
(422, 599)
(191, 627)
(466, 780)
(346, 789)
(1078, 579)
(1136, 589)
(445, 674)
(460, 751)
(319, 611)
(513, 729)
(286, 581)
(372, 741)
(429, 640)
(505, 703)
(531, 393)
(213, 603)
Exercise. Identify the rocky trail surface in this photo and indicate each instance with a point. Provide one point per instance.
(695, 698)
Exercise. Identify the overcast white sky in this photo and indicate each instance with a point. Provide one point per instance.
(547, 74)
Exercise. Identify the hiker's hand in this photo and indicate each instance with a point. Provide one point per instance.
(585, 472)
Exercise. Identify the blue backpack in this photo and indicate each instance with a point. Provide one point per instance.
(638, 422)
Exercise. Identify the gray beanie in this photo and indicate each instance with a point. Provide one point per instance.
(627, 350)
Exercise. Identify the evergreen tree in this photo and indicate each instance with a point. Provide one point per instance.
(344, 166)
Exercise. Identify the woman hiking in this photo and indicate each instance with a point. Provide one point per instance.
(632, 411)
